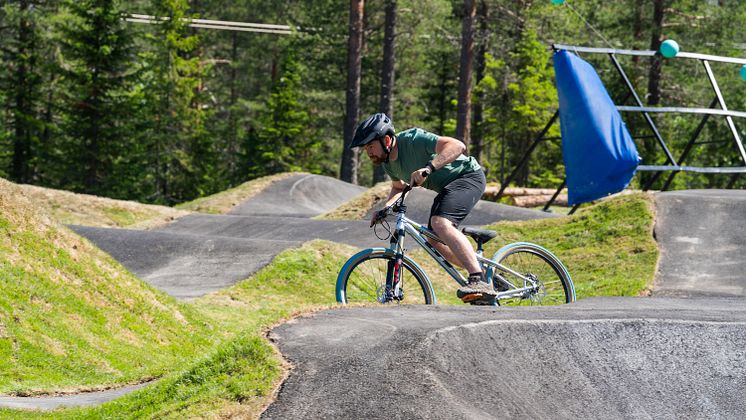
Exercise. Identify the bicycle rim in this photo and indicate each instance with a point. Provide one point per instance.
(366, 283)
(555, 285)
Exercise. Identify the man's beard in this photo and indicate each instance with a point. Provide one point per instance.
(376, 160)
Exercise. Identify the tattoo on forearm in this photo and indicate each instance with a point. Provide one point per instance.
(445, 157)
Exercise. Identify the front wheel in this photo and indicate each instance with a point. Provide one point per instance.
(367, 278)
(544, 279)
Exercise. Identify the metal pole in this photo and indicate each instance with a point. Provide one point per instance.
(648, 119)
(724, 107)
(556, 193)
(527, 155)
(689, 145)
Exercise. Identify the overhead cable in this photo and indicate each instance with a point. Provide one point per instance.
(215, 24)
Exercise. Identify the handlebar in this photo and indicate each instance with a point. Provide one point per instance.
(381, 214)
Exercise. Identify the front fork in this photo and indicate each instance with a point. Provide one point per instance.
(394, 290)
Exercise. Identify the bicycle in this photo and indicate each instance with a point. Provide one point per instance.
(520, 272)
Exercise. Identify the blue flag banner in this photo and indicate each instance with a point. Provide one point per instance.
(600, 156)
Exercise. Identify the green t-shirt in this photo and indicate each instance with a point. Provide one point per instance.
(417, 147)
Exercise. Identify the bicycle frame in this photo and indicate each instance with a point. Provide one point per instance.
(419, 233)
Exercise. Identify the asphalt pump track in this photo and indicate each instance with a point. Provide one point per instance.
(601, 358)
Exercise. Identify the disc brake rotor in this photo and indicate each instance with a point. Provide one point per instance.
(381, 294)
(539, 292)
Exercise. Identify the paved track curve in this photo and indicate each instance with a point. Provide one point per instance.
(603, 358)
(299, 196)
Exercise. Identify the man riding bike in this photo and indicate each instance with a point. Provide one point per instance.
(437, 163)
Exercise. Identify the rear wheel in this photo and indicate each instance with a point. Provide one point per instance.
(553, 285)
(363, 279)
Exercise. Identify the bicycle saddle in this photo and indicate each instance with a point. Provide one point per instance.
(479, 235)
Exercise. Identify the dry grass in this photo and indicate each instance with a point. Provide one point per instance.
(89, 210)
(356, 208)
(224, 201)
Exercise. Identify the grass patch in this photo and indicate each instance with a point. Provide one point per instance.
(224, 201)
(88, 210)
(608, 247)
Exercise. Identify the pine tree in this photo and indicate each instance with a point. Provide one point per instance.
(180, 153)
(97, 49)
(21, 81)
(283, 142)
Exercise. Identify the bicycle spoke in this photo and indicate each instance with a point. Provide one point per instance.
(366, 282)
(550, 286)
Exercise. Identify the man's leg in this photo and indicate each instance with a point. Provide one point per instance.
(450, 207)
(458, 249)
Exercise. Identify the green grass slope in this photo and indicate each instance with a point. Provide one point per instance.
(72, 318)
(236, 378)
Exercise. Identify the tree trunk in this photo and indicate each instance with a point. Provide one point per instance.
(442, 98)
(348, 167)
(232, 118)
(20, 170)
(463, 117)
(387, 75)
(654, 76)
(637, 29)
(477, 142)
(656, 61)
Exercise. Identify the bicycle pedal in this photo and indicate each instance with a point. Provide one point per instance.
(472, 297)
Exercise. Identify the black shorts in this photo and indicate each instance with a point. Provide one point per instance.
(455, 200)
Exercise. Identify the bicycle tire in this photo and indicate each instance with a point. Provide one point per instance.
(363, 278)
(527, 258)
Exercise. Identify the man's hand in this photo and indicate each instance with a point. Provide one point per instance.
(418, 176)
(377, 217)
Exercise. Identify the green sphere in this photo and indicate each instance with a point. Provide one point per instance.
(669, 48)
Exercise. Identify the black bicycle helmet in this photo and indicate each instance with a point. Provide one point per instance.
(374, 127)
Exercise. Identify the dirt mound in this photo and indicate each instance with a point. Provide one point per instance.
(70, 316)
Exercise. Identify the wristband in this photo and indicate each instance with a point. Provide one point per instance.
(430, 165)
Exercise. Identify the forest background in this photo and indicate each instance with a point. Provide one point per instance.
(167, 113)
